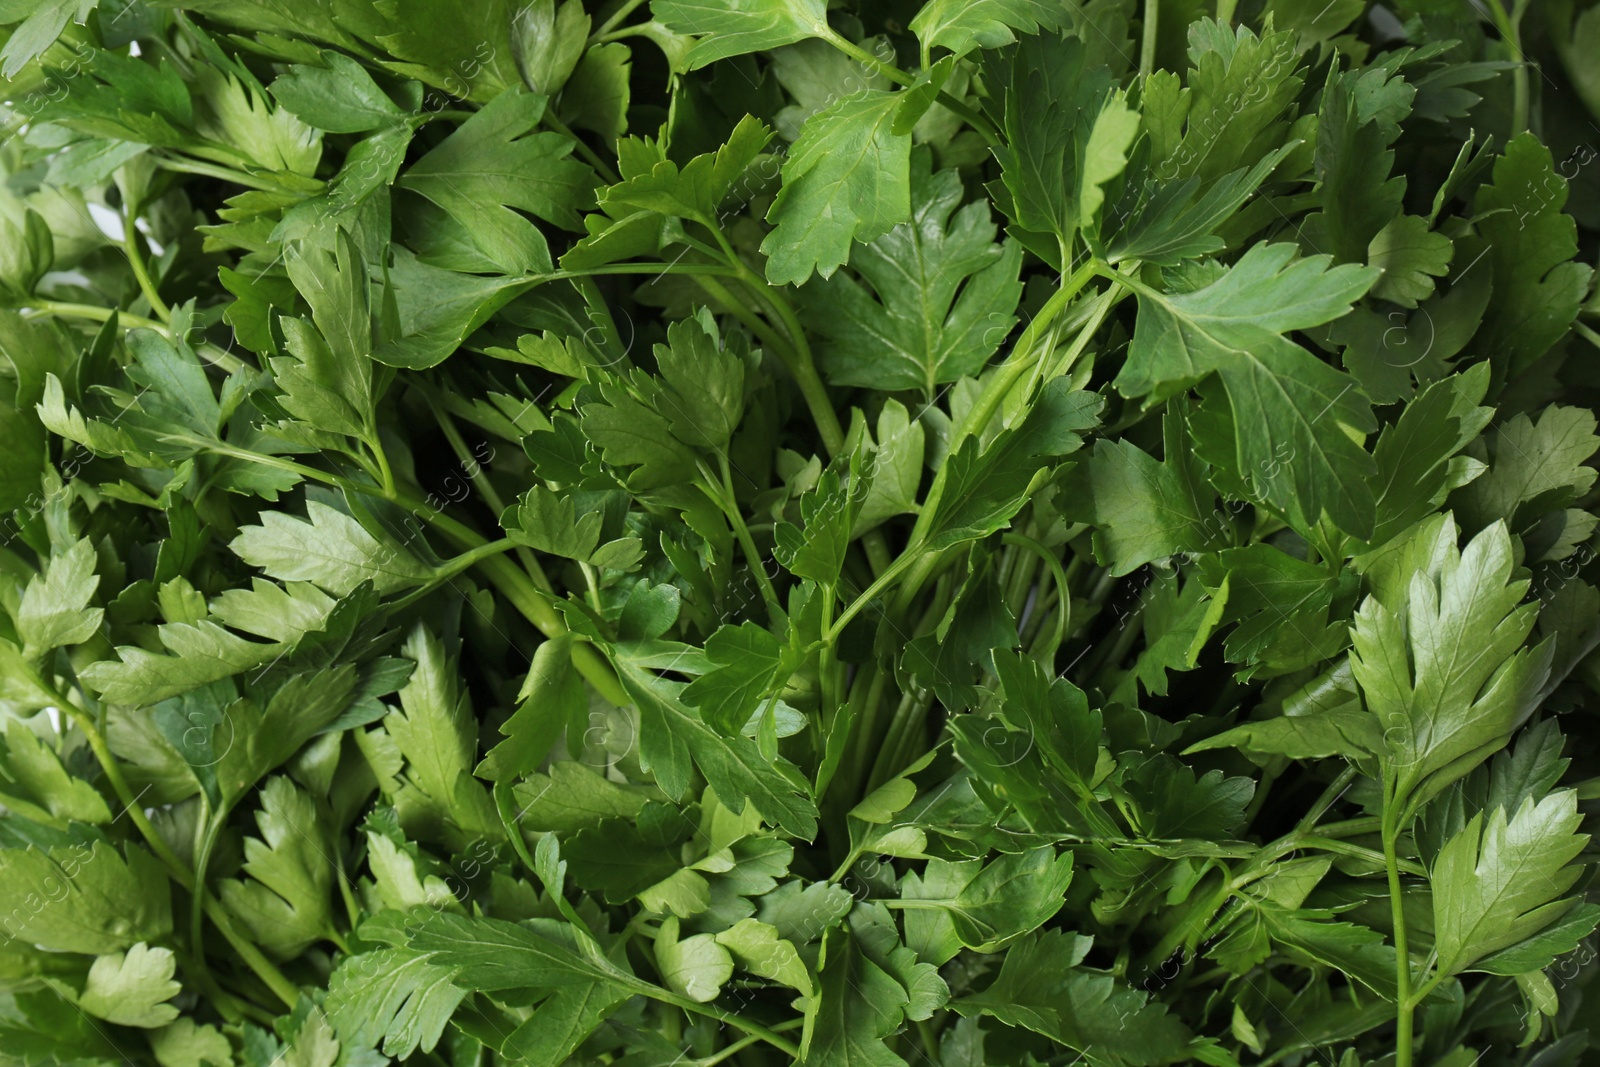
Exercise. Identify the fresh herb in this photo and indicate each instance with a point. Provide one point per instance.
(768, 531)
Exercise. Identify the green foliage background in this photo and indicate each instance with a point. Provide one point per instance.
(759, 531)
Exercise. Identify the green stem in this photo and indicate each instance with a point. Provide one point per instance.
(725, 498)
(345, 894)
(210, 352)
(1063, 590)
(472, 558)
(628, 8)
(738, 1022)
(1510, 27)
(216, 170)
(601, 167)
(804, 367)
(801, 363)
(1367, 824)
(900, 77)
(1330, 796)
(872, 592)
(517, 587)
(892, 755)
(1225, 11)
(130, 248)
(263, 967)
(485, 489)
(119, 785)
(1427, 987)
(209, 827)
(1023, 356)
(750, 320)
(711, 269)
(512, 581)
(1147, 45)
(1402, 960)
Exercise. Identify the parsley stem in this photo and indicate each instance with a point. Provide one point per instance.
(911, 555)
(592, 157)
(805, 367)
(611, 23)
(1023, 356)
(513, 582)
(130, 248)
(802, 365)
(738, 1022)
(264, 968)
(1330, 796)
(1402, 960)
(720, 491)
(751, 321)
(227, 174)
(207, 828)
(225, 360)
(1147, 43)
(743, 1043)
(485, 487)
(119, 785)
(274, 979)
(1062, 589)
(1510, 27)
(712, 269)
(892, 755)
(900, 77)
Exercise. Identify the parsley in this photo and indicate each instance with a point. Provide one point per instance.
(773, 531)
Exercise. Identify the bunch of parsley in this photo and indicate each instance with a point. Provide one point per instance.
(765, 531)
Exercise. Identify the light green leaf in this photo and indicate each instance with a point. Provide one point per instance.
(284, 904)
(943, 294)
(492, 167)
(340, 97)
(1410, 256)
(189, 1044)
(85, 897)
(733, 27)
(392, 997)
(1534, 467)
(1056, 106)
(748, 663)
(701, 390)
(962, 25)
(1532, 242)
(697, 189)
(1144, 509)
(551, 40)
(132, 988)
(758, 949)
(571, 796)
(671, 734)
(695, 966)
(437, 734)
(895, 459)
(847, 178)
(1446, 674)
(57, 796)
(1288, 405)
(331, 550)
(552, 695)
(1498, 882)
